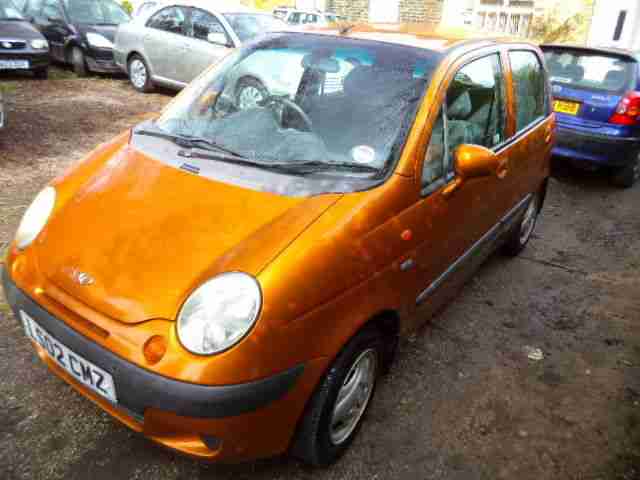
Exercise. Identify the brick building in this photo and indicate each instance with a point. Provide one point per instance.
(420, 11)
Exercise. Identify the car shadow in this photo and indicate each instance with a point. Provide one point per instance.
(597, 180)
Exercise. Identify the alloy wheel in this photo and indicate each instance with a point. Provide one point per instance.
(138, 73)
(354, 396)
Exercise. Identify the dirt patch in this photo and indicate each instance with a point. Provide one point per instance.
(465, 400)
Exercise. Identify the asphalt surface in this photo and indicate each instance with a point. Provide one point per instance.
(463, 400)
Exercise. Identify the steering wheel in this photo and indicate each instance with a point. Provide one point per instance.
(293, 106)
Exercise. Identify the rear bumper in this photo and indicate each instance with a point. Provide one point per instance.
(231, 422)
(594, 148)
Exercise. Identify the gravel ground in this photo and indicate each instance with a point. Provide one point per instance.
(463, 400)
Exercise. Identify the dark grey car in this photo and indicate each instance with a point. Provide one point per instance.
(174, 42)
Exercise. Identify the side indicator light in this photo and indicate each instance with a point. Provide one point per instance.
(154, 349)
(407, 235)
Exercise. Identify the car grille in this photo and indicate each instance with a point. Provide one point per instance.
(12, 44)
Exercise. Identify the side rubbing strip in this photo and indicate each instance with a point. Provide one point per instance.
(487, 237)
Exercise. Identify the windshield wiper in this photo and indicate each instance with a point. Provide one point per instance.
(317, 166)
(295, 168)
(191, 142)
(229, 156)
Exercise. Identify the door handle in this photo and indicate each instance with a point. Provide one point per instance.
(186, 46)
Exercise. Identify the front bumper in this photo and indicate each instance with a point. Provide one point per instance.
(100, 60)
(37, 59)
(594, 148)
(209, 422)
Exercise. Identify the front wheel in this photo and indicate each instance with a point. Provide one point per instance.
(336, 410)
(250, 93)
(79, 63)
(521, 233)
(139, 75)
(627, 176)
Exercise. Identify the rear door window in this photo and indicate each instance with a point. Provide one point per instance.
(589, 70)
(202, 24)
(530, 88)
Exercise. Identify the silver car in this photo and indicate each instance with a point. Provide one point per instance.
(173, 42)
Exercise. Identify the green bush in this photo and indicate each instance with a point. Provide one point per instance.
(128, 6)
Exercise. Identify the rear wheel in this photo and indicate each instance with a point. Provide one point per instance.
(79, 63)
(521, 234)
(627, 176)
(139, 74)
(336, 410)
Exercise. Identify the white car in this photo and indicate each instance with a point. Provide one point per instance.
(172, 42)
(306, 17)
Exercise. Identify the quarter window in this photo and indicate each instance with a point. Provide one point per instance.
(474, 113)
(530, 88)
(171, 19)
(203, 23)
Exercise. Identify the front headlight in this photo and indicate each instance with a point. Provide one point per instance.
(97, 40)
(35, 218)
(219, 313)
(39, 44)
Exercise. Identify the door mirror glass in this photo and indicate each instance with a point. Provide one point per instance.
(217, 38)
(475, 161)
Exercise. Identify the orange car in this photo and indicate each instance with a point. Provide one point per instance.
(231, 278)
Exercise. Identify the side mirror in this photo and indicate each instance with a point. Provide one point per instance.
(475, 161)
(218, 38)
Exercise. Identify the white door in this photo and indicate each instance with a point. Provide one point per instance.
(384, 11)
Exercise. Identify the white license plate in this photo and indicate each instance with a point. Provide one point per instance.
(82, 370)
(14, 64)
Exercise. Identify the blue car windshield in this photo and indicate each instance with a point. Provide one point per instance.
(292, 98)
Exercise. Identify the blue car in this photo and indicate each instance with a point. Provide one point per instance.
(596, 94)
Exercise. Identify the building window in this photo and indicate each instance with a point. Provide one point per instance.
(482, 19)
(503, 22)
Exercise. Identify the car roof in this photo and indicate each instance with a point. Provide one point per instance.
(597, 49)
(415, 35)
(221, 7)
(224, 6)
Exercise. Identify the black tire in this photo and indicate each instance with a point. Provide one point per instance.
(41, 73)
(249, 82)
(627, 176)
(313, 442)
(520, 235)
(136, 61)
(78, 62)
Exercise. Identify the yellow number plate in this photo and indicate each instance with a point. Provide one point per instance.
(570, 108)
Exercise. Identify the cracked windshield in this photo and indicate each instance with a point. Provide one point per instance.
(332, 104)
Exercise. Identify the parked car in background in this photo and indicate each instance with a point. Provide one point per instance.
(232, 280)
(22, 47)
(293, 16)
(597, 102)
(173, 43)
(80, 32)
